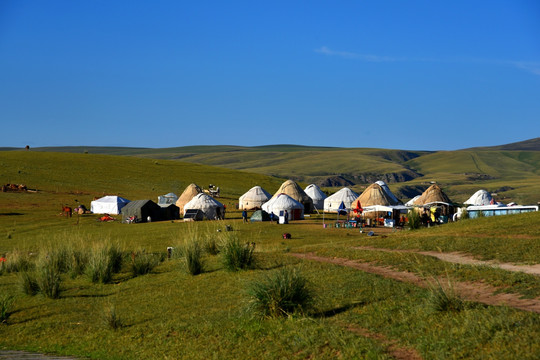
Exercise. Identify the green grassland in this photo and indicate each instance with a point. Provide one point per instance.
(169, 314)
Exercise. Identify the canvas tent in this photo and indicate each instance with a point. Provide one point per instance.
(316, 194)
(292, 189)
(170, 212)
(282, 202)
(411, 202)
(108, 205)
(481, 197)
(141, 210)
(345, 196)
(166, 200)
(188, 194)
(260, 215)
(211, 208)
(254, 198)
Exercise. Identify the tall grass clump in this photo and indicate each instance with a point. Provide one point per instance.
(17, 261)
(28, 283)
(142, 263)
(193, 257)
(6, 303)
(48, 277)
(444, 298)
(282, 293)
(464, 214)
(104, 260)
(236, 255)
(414, 219)
(112, 319)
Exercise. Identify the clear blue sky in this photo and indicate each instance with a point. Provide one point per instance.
(427, 74)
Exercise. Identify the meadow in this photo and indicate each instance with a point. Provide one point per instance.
(168, 313)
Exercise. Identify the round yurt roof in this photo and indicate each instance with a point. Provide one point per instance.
(374, 195)
(292, 189)
(388, 191)
(411, 202)
(315, 192)
(255, 195)
(433, 194)
(345, 195)
(481, 197)
(281, 202)
(188, 194)
(205, 203)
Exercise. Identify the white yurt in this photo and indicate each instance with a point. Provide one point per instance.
(254, 198)
(388, 192)
(282, 202)
(317, 195)
(108, 205)
(481, 197)
(411, 202)
(212, 209)
(345, 195)
(167, 199)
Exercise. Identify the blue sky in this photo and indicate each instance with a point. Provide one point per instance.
(434, 75)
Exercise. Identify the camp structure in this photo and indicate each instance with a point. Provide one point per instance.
(260, 215)
(410, 203)
(170, 212)
(378, 206)
(138, 211)
(281, 202)
(479, 198)
(388, 192)
(375, 195)
(212, 209)
(188, 194)
(167, 199)
(316, 194)
(108, 205)
(345, 196)
(292, 189)
(436, 204)
(254, 198)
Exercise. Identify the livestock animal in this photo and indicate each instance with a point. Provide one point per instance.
(67, 211)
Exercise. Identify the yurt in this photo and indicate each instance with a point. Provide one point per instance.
(188, 194)
(141, 211)
(259, 215)
(411, 202)
(481, 197)
(388, 192)
(282, 202)
(167, 199)
(345, 196)
(292, 189)
(253, 198)
(108, 205)
(375, 195)
(435, 202)
(316, 194)
(212, 209)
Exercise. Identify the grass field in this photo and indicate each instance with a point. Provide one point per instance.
(170, 314)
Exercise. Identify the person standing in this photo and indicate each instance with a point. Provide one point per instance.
(244, 216)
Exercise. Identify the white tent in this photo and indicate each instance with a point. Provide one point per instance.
(108, 205)
(168, 199)
(211, 208)
(411, 202)
(254, 198)
(316, 194)
(345, 195)
(481, 197)
(282, 202)
(386, 189)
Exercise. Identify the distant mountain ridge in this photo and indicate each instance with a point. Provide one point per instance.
(526, 145)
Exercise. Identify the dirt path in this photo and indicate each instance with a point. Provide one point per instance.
(460, 258)
(477, 292)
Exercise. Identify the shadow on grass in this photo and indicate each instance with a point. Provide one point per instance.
(338, 310)
(11, 214)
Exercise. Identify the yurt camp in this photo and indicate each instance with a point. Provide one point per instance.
(379, 207)
(253, 198)
(281, 202)
(108, 205)
(292, 189)
(436, 204)
(141, 211)
(345, 196)
(317, 195)
(212, 209)
(188, 194)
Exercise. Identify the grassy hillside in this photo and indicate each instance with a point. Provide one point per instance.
(171, 314)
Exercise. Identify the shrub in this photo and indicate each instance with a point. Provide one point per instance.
(442, 299)
(142, 263)
(6, 302)
(414, 219)
(28, 283)
(193, 258)
(280, 294)
(236, 255)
